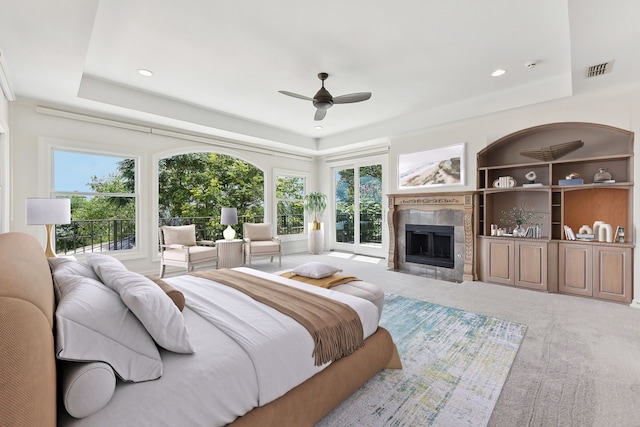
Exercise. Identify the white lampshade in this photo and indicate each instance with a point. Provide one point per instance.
(229, 216)
(44, 211)
(48, 212)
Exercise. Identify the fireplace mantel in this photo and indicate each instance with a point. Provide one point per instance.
(429, 202)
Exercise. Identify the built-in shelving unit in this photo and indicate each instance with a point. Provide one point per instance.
(595, 147)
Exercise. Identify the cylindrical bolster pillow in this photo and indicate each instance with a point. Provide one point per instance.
(176, 296)
(87, 387)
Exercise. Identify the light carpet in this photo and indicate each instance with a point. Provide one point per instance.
(368, 259)
(454, 366)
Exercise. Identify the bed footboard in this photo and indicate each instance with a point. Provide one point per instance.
(309, 402)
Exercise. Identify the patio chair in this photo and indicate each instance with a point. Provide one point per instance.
(259, 241)
(179, 248)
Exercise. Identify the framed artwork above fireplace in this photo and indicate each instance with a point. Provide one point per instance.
(432, 168)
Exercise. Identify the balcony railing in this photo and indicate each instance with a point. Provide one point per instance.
(95, 235)
(370, 228)
(103, 235)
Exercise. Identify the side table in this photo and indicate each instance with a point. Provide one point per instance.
(229, 253)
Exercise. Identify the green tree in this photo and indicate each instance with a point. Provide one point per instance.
(289, 204)
(201, 184)
(107, 217)
(370, 188)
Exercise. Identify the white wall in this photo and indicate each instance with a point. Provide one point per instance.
(5, 163)
(31, 130)
(4, 110)
(621, 110)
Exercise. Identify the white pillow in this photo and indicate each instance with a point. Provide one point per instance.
(259, 231)
(95, 259)
(64, 266)
(179, 235)
(86, 387)
(94, 325)
(151, 305)
(315, 270)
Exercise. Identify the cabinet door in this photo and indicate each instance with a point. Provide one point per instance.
(575, 271)
(531, 265)
(499, 261)
(612, 273)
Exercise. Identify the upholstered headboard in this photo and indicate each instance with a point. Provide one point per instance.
(27, 359)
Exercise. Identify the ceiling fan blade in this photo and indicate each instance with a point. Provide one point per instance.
(320, 114)
(295, 95)
(352, 97)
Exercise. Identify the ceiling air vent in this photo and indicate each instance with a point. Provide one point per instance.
(600, 69)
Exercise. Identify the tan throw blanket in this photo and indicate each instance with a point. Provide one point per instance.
(334, 326)
(325, 282)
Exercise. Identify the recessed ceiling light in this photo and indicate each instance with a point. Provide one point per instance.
(318, 127)
(145, 73)
(498, 72)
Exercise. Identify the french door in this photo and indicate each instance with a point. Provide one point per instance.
(358, 211)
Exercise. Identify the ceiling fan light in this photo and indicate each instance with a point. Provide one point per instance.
(323, 105)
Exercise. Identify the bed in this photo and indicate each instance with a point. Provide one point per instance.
(33, 384)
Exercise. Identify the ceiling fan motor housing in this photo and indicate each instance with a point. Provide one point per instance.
(323, 99)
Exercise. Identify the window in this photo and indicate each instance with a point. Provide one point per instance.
(290, 204)
(102, 189)
(358, 213)
(193, 188)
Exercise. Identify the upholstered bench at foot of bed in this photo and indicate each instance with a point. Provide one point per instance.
(358, 288)
(368, 291)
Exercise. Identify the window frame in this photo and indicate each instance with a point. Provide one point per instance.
(50, 145)
(297, 174)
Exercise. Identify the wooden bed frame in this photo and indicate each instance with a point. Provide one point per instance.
(28, 383)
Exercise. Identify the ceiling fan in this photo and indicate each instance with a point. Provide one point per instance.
(323, 100)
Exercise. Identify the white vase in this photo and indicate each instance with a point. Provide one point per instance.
(316, 239)
(519, 231)
(605, 233)
(585, 229)
(596, 229)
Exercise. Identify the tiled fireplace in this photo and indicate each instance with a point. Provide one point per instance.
(432, 235)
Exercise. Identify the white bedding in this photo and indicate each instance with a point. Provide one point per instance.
(246, 355)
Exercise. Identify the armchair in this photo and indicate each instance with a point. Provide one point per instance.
(259, 241)
(178, 247)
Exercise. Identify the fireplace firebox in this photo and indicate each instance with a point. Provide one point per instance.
(430, 244)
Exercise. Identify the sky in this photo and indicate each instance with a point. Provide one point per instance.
(73, 171)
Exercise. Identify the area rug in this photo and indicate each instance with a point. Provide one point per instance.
(454, 366)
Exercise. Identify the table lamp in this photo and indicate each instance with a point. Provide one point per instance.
(48, 212)
(228, 217)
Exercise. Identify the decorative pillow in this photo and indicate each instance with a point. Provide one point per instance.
(151, 305)
(94, 325)
(261, 231)
(179, 235)
(86, 387)
(315, 270)
(176, 296)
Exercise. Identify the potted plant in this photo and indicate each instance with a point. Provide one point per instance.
(520, 216)
(315, 203)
